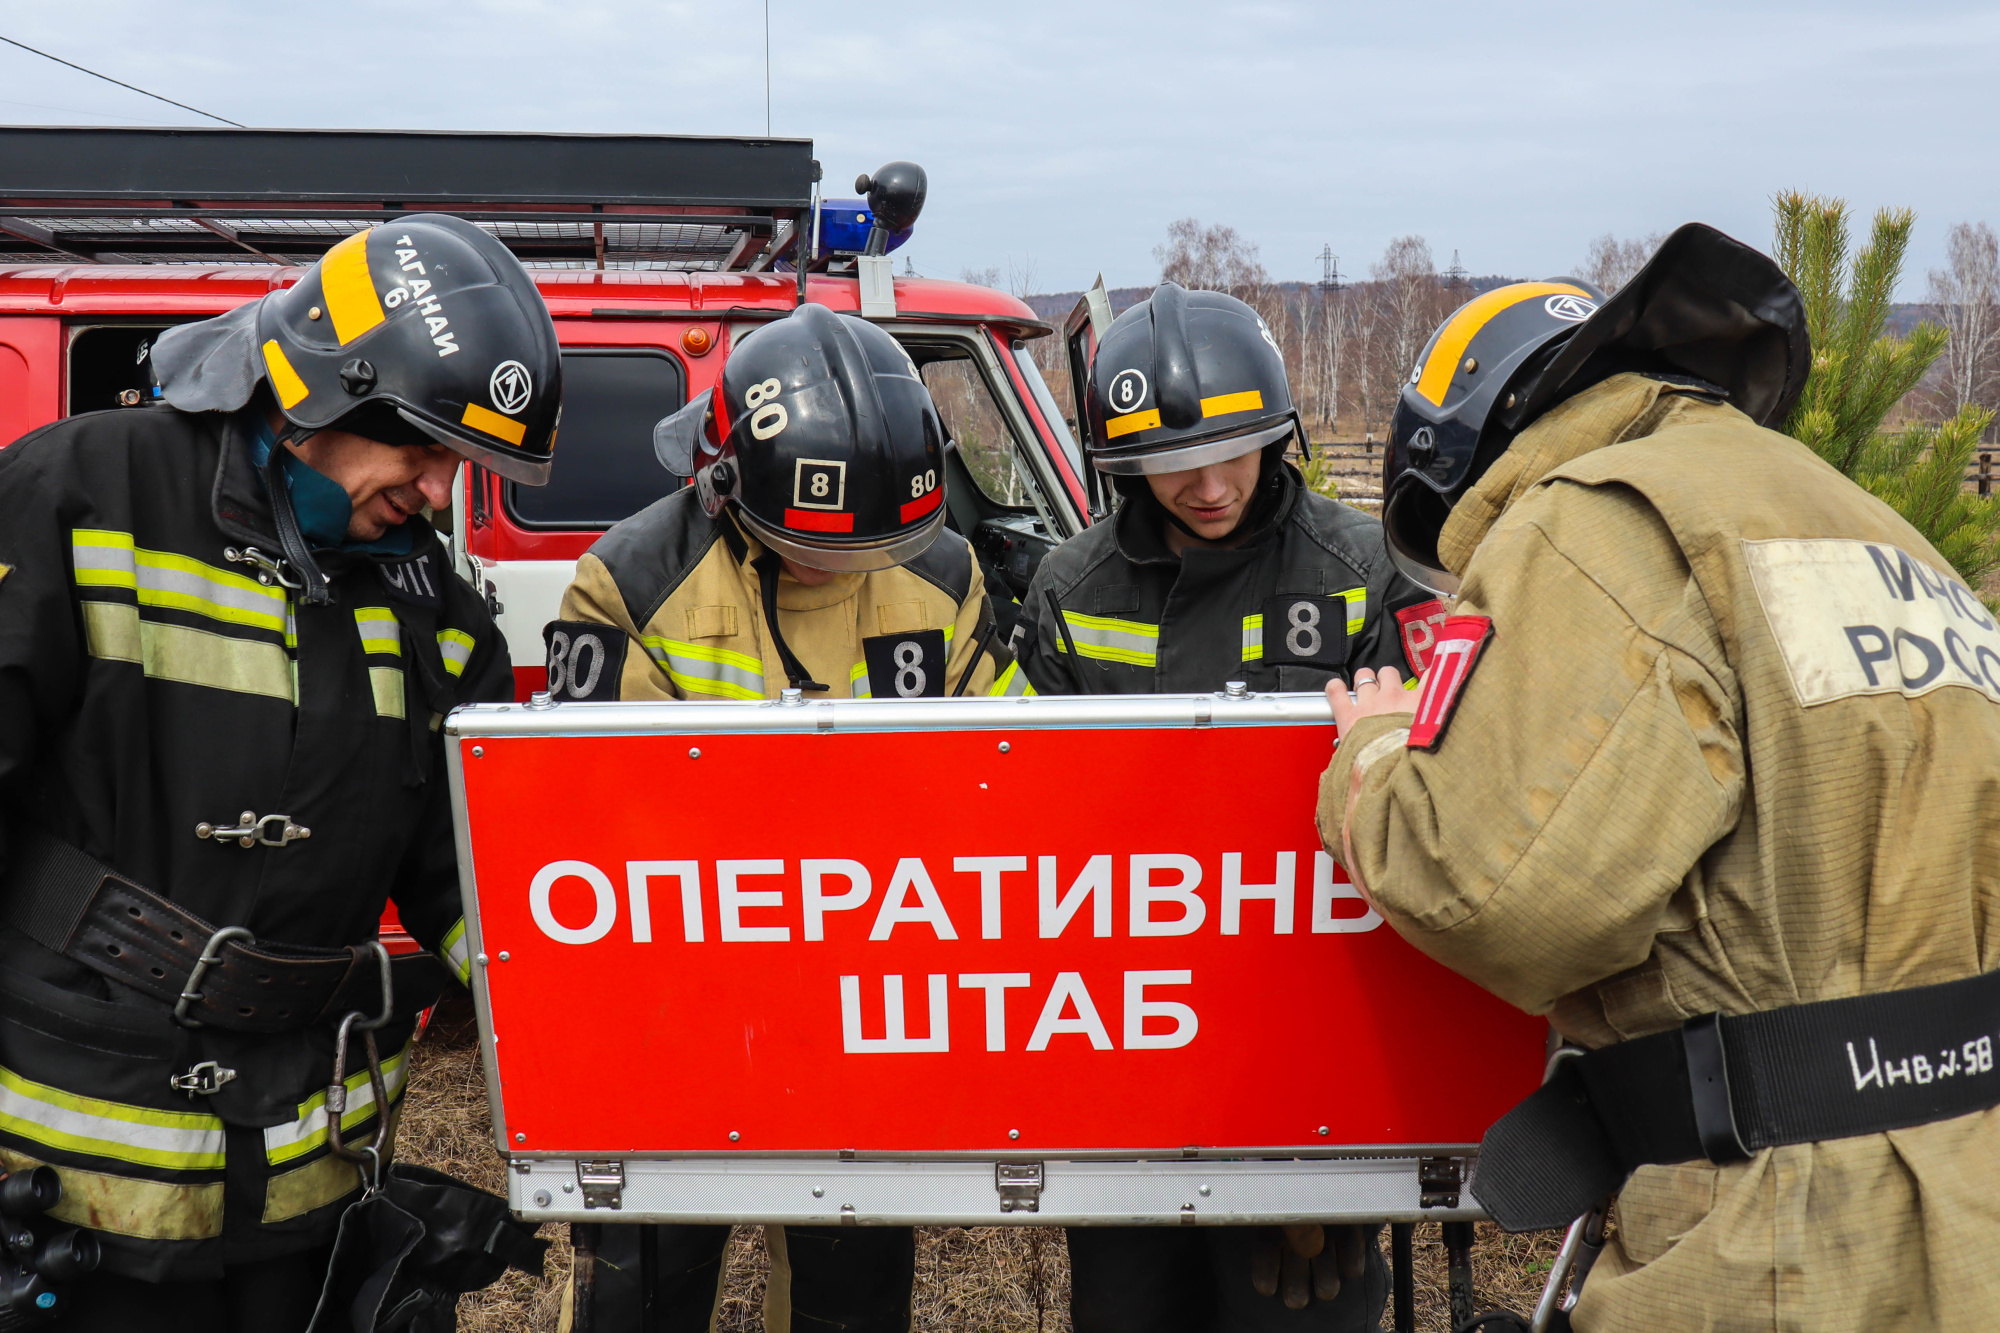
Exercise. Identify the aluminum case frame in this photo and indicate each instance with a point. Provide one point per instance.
(1235, 1186)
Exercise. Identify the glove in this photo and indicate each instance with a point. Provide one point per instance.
(1306, 1261)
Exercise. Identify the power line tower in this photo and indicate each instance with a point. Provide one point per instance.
(1329, 269)
(1455, 276)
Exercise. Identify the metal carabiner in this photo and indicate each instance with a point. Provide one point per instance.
(211, 954)
(379, 1148)
(1579, 1252)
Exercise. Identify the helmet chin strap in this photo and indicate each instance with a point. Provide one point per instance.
(767, 566)
(313, 589)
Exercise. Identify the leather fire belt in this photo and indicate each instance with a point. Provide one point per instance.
(1724, 1088)
(65, 899)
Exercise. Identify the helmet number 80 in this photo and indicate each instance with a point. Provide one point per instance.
(767, 416)
(924, 483)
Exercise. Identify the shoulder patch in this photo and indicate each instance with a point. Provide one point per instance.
(1420, 624)
(651, 553)
(1460, 641)
(586, 660)
(947, 563)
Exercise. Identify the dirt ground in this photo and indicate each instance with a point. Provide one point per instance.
(969, 1279)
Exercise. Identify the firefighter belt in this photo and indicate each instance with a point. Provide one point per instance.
(66, 900)
(1724, 1088)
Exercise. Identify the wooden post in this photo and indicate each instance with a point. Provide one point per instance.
(1985, 472)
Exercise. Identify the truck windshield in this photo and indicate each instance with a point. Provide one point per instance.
(1046, 401)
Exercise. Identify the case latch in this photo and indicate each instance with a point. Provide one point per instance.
(603, 1184)
(1438, 1181)
(1020, 1186)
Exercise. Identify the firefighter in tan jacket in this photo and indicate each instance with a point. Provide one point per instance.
(1705, 767)
(810, 555)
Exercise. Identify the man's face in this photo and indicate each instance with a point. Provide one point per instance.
(1210, 500)
(386, 483)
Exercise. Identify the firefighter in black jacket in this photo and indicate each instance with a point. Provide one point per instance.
(1218, 566)
(227, 638)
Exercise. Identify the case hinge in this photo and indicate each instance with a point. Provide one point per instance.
(603, 1184)
(1438, 1181)
(1020, 1186)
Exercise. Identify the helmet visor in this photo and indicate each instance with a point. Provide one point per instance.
(1188, 457)
(528, 472)
(1412, 517)
(854, 558)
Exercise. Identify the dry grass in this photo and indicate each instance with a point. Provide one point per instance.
(988, 1279)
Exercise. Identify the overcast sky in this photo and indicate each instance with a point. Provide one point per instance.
(1064, 137)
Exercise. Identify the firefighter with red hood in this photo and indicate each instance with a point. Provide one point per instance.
(1703, 768)
(227, 637)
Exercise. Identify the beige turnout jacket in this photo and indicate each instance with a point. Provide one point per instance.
(1734, 744)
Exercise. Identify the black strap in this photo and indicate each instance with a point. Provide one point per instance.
(1069, 642)
(978, 651)
(68, 901)
(1722, 1088)
(767, 566)
(313, 590)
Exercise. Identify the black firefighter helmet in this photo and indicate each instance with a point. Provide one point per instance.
(1706, 310)
(1185, 379)
(418, 331)
(825, 440)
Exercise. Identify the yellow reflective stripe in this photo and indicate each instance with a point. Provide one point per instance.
(1250, 400)
(175, 1140)
(283, 1143)
(387, 685)
(1130, 641)
(707, 670)
(1131, 421)
(349, 289)
(114, 631)
(1473, 316)
(126, 1206)
(456, 645)
(104, 559)
(285, 381)
(1011, 683)
(380, 630)
(1253, 637)
(1357, 620)
(455, 955)
(299, 1191)
(501, 428)
(858, 686)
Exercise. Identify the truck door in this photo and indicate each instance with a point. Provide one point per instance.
(1081, 331)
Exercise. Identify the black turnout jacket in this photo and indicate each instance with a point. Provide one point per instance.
(149, 682)
(1309, 595)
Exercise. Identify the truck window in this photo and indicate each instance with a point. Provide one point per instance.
(106, 359)
(604, 467)
(971, 417)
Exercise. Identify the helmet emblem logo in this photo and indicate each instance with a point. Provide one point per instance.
(1572, 309)
(1128, 390)
(819, 483)
(511, 387)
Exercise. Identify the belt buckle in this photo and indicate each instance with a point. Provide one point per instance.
(205, 1079)
(211, 953)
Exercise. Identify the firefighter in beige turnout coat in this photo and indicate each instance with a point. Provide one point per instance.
(1733, 744)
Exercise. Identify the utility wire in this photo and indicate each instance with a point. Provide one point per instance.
(141, 91)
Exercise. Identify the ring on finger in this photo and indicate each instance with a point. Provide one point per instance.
(1364, 678)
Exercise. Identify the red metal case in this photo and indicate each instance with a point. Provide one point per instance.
(739, 955)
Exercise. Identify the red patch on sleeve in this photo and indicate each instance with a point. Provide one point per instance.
(1420, 630)
(1460, 640)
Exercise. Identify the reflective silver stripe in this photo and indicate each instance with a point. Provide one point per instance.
(456, 645)
(1253, 637)
(454, 952)
(858, 686)
(282, 1143)
(1012, 683)
(176, 1140)
(1130, 641)
(105, 559)
(114, 631)
(380, 631)
(387, 685)
(707, 670)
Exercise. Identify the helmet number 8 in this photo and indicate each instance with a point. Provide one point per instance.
(924, 484)
(1303, 639)
(767, 416)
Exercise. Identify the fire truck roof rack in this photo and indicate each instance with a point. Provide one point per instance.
(207, 196)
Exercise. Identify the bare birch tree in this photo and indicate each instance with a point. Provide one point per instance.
(1965, 299)
(1216, 259)
(1609, 263)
